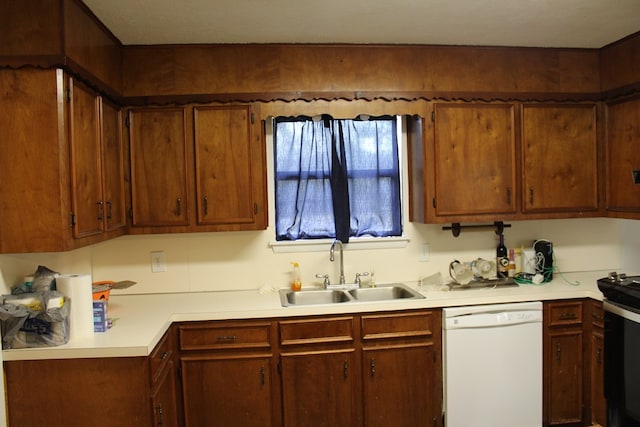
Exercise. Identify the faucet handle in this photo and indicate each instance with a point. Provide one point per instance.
(358, 276)
(326, 282)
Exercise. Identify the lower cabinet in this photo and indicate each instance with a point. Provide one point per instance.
(97, 392)
(598, 403)
(563, 363)
(319, 372)
(227, 374)
(401, 370)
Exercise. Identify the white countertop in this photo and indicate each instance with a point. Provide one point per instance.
(141, 320)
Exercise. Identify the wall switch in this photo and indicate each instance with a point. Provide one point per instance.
(158, 262)
(424, 253)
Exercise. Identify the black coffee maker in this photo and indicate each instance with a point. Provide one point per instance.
(543, 250)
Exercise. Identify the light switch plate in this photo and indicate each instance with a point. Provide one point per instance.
(158, 262)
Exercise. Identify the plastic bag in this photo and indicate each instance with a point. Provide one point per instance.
(41, 324)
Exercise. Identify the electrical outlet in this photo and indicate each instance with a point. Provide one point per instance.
(158, 262)
(424, 253)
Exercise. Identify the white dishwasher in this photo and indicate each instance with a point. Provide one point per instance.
(493, 365)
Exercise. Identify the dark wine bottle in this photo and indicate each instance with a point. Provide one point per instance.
(502, 259)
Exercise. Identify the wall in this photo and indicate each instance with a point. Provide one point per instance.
(244, 260)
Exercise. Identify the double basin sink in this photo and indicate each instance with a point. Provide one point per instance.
(387, 292)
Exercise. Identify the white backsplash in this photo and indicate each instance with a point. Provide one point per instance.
(244, 260)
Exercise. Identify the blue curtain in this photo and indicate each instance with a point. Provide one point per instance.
(336, 178)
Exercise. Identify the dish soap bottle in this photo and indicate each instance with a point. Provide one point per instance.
(296, 283)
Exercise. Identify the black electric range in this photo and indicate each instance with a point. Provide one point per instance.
(622, 290)
(621, 348)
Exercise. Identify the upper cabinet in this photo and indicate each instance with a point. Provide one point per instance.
(97, 172)
(53, 192)
(158, 144)
(197, 169)
(474, 162)
(623, 159)
(474, 159)
(559, 158)
(229, 166)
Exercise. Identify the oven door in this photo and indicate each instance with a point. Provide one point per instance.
(622, 365)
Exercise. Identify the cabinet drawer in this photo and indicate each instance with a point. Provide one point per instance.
(401, 325)
(564, 313)
(213, 336)
(160, 356)
(316, 331)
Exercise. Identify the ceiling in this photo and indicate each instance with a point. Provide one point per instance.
(543, 23)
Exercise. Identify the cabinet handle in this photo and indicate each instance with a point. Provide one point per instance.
(227, 338)
(372, 367)
(508, 195)
(531, 196)
(160, 414)
(345, 370)
(205, 203)
(178, 206)
(558, 352)
(100, 204)
(262, 375)
(568, 316)
(164, 355)
(109, 209)
(599, 355)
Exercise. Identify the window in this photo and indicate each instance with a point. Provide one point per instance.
(336, 178)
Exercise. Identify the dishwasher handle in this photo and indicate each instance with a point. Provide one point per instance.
(496, 319)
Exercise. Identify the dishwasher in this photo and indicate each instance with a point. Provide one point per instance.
(492, 365)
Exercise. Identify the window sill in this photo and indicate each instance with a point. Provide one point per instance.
(320, 245)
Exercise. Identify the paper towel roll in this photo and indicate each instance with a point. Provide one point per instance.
(77, 287)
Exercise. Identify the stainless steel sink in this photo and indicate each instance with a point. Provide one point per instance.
(395, 291)
(322, 296)
(385, 292)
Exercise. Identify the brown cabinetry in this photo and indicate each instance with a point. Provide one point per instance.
(57, 164)
(122, 391)
(471, 162)
(623, 158)
(559, 158)
(598, 404)
(563, 363)
(477, 161)
(158, 144)
(221, 146)
(319, 372)
(228, 374)
(401, 369)
(97, 174)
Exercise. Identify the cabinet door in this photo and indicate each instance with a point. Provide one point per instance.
(225, 166)
(474, 159)
(399, 386)
(598, 401)
(163, 400)
(232, 391)
(559, 158)
(623, 156)
(113, 167)
(564, 374)
(86, 164)
(158, 167)
(319, 388)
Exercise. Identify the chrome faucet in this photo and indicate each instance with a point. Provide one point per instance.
(332, 258)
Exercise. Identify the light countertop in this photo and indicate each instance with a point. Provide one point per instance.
(141, 320)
